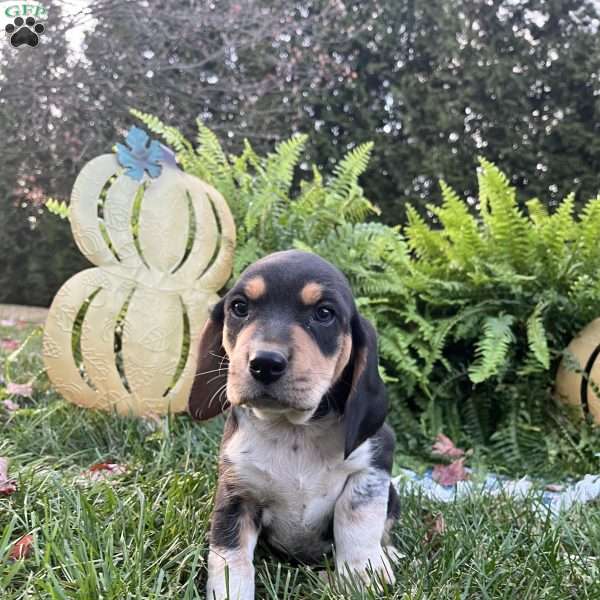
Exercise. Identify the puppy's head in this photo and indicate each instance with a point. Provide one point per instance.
(294, 342)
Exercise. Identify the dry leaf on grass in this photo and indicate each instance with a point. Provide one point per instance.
(10, 406)
(9, 344)
(444, 446)
(450, 474)
(436, 526)
(7, 486)
(19, 389)
(102, 471)
(21, 548)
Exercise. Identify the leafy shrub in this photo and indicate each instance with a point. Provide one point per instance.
(474, 308)
(38, 254)
(504, 291)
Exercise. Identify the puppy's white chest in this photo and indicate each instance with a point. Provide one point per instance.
(296, 475)
(290, 470)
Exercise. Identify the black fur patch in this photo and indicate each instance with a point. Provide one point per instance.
(366, 406)
(393, 511)
(226, 522)
(231, 509)
(383, 448)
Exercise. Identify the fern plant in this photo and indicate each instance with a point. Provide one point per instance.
(516, 286)
(57, 207)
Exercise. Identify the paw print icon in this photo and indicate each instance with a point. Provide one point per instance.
(24, 31)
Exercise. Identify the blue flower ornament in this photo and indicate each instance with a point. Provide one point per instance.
(139, 155)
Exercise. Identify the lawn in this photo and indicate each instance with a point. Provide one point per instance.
(141, 533)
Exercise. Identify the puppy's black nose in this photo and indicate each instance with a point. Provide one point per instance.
(267, 366)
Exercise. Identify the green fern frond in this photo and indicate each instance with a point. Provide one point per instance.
(58, 207)
(537, 212)
(589, 232)
(492, 350)
(507, 227)
(280, 165)
(274, 179)
(246, 255)
(172, 136)
(426, 243)
(460, 228)
(536, 336)
(561, 228)
(211, 164)
(476, 411)
(344, 194)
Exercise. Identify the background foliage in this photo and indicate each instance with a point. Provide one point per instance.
(433, 84)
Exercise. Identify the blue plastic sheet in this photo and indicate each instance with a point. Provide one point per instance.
(555, 498)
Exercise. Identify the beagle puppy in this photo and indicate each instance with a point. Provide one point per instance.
(306, 458)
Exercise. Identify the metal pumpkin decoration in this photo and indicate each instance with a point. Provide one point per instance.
(124, 335)
(580, 387)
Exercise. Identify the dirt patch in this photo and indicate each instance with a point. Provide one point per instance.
(31, 314)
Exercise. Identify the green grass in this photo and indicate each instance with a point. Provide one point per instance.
(143, 534)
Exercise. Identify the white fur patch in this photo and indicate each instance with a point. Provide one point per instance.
(360, 516)
(230, 574)
(297, 474)
(231, 571)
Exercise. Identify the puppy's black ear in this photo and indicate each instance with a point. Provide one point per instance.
(366, 405)
(207, 396)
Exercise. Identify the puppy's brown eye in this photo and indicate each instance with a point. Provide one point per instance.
(239, 308)
(324, 314)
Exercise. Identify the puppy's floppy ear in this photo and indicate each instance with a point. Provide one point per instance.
(366, 405)
(207, 396)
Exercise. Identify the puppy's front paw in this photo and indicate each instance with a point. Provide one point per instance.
(230, 577)
(222, 591)
(374, 567)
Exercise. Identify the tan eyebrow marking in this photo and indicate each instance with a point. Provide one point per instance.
(255, 287)
(311, 293)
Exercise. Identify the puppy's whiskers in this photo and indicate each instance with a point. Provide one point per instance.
(216, 377)
(219, 370)
(218, 394)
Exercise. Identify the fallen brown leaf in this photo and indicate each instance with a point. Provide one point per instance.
(101, 471)
(436, 526)
(19, 389)
(444, 446)
(7, 486)
(21, 548)
(450, 474)
(10, 406)
(9, 344)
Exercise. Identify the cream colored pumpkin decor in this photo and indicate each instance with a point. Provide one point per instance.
(124, 334)
(571, 386)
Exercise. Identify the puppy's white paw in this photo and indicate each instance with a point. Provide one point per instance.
(371, 568)
(219, 592)
(231, 579)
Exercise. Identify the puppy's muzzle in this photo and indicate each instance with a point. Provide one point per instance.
(267, 366)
